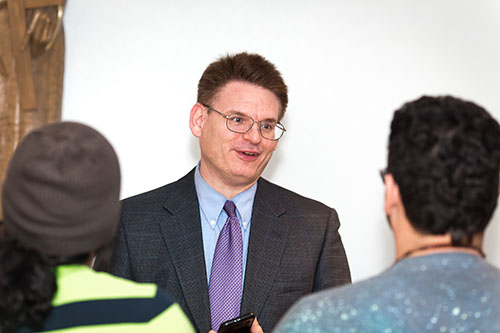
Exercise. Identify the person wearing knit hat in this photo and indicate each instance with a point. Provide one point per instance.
(61, 205)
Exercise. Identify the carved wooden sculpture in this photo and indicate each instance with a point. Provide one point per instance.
(31, 70)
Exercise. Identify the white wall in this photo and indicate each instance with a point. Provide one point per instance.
(132, 69)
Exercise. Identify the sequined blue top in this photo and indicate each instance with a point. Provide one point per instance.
(445, 292)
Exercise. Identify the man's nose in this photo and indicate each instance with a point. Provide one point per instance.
(253, 134)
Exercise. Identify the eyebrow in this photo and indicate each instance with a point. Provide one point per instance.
(239, 113)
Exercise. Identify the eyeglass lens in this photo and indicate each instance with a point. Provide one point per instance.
(242, 124)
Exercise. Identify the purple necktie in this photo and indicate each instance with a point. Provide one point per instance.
(225, 278)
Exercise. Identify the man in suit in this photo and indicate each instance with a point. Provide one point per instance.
(286, 245)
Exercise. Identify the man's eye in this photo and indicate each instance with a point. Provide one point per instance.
(237, 120)
(267, 126)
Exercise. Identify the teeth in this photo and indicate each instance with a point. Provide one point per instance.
(250, 154)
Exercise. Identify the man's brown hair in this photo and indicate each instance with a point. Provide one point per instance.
(245, 67)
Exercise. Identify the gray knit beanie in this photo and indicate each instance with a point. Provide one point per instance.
(61, 190)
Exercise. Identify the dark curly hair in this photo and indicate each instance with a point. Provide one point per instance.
(27, 285)
(444, 154)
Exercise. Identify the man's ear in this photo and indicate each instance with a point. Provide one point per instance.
(392, 195)
(196, 119)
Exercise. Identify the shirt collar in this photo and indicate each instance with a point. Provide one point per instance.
(212, 202)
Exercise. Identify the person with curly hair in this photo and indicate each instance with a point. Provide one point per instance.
(61, 205)
(441, 188)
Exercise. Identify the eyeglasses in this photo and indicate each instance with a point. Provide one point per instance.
(241, 124)
(383, 173)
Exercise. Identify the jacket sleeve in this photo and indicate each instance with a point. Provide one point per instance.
(332, 269)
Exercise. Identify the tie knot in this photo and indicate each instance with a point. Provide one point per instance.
(230, 208)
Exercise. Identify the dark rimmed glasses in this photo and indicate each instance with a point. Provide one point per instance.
(239, 123)
(383, 173)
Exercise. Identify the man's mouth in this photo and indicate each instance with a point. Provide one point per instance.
(248, 155)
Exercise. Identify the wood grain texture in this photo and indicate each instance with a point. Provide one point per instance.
(42, 3)
(47, 70)
(17, 23)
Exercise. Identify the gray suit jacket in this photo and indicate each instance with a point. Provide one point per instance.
(294, 249)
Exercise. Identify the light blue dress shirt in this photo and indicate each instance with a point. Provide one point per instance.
(213, 217)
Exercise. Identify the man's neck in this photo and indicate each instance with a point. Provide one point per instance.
(228, 190)
(411, 243)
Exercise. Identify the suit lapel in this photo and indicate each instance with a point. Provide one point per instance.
(265, 249)
(183, 238)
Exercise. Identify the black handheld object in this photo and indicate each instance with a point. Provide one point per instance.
(241, 324)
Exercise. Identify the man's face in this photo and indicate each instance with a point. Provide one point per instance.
(231, 159)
